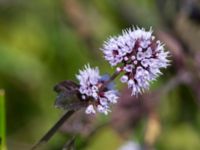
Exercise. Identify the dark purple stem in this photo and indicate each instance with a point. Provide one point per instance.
(52, 131)
(110, 80)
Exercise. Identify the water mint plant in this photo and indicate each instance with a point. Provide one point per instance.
(137, 55)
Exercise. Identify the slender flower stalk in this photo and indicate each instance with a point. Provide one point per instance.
(115, 74)
(52, 131)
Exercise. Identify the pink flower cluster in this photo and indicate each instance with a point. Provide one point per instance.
(137, 55)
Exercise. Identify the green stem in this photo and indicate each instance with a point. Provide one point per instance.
(2, 121)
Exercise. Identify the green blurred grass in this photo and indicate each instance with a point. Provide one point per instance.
(2, 121)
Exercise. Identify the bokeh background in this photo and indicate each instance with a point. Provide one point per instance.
(44, 42)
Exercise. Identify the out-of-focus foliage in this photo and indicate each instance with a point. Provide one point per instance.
(44, 42)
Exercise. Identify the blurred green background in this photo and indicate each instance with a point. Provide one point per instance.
(43, 42)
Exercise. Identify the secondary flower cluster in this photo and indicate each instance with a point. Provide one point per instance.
(91, 90)
(139, 55)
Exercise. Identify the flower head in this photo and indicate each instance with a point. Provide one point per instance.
(91, 91)
(139, 55)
